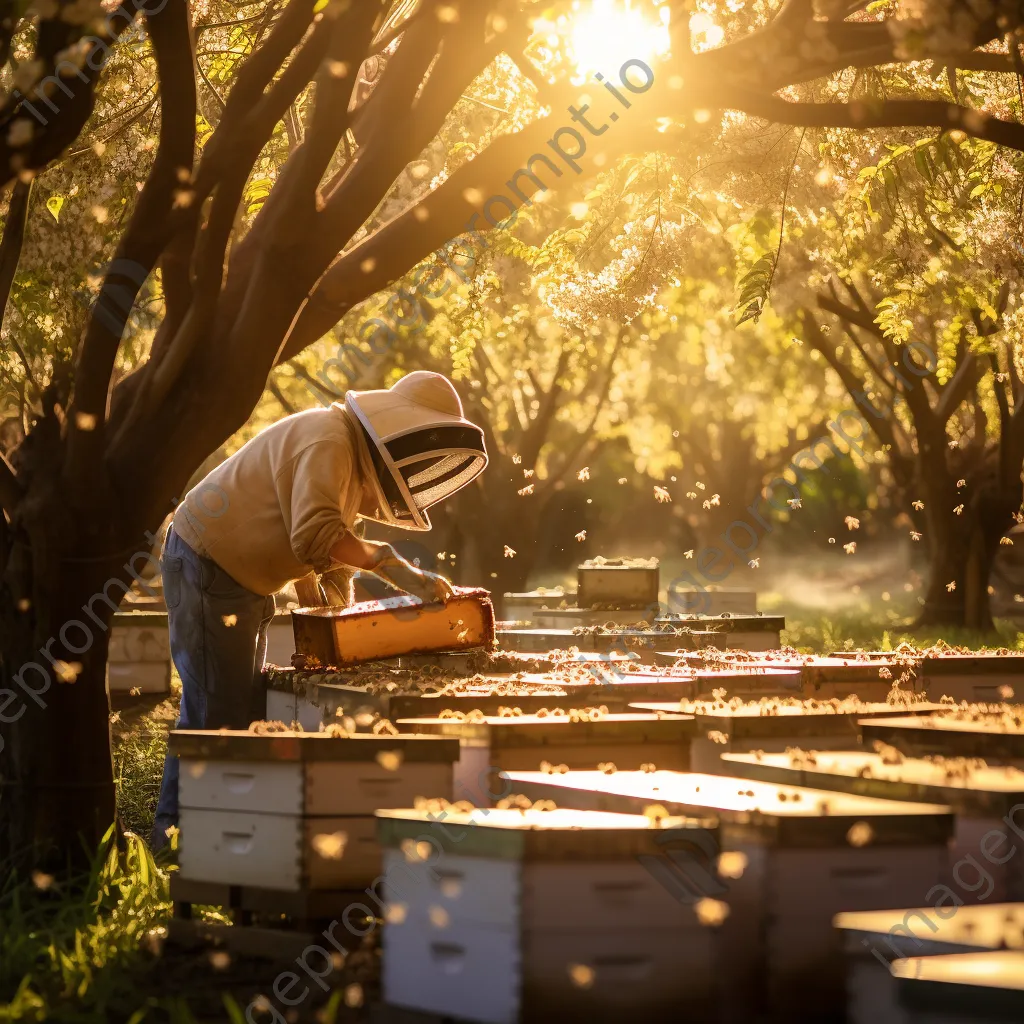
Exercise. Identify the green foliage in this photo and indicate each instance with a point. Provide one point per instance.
(754, 288)
(138, 766)
(68, 946)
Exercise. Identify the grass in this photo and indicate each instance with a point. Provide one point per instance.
(59, 939)
(874, 625)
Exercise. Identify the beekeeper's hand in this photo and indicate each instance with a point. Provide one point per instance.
(427, 586)
(385, 562)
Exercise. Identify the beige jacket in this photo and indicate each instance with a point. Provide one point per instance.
(273, 511)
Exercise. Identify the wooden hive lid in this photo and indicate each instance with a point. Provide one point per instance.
(991, 926)
(976, 789)
(993, 735)
(986, 986)
(534, 730)
(788, 815)
(535, 835)
(242, 745)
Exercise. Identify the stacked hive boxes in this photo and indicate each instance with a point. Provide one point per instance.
(580, 741)
(772, 725)
(507, 916)
(295, 811)
(987, 859)
(795, 857)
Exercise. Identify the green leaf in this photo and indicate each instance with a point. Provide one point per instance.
(55, 204)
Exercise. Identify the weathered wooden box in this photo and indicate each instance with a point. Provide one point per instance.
(962, 988)
(521, 916)
(773, 725)
(372, 630)
(805, 856)
(987, 857)
(997, 736)
(139, 655)
(292, 811)
(495, 744)
(617, 584)
(872, 940)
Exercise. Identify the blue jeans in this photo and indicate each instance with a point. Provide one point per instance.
(218, 634)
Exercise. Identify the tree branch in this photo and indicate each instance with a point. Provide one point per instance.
(10, 248)
(876, 114)
(148, 233)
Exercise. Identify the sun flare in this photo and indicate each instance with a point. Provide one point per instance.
(606, 33)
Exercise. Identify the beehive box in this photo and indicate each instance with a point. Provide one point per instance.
(574, 618)
(576, 741)
(774, 725)
(617, 583)
(872, 940)
(293, 811)
(642, 643)
(733, 632)
(996, 736)
(989, 803)
(139, 654)
(962, 988)
(522, 607)
(821, 678)
(977, 677)
(805, 855)
(546, 916)
(372, 630)
(615, 689)
(713, 601)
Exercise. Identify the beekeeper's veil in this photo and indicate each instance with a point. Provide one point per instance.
(422, 447)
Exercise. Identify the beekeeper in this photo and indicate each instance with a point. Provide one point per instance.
(284, 507)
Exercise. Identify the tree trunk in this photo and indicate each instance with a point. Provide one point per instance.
(65, 572)
(964, 550)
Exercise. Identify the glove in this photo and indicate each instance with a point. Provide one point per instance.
(427, 586)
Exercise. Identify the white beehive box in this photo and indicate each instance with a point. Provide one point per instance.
(988, 801)
(493, 743)
(872, 940)
(139, 655)
(962, 988)
(807, 855)
(772, 726)
(507, 916)
(294, 811)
